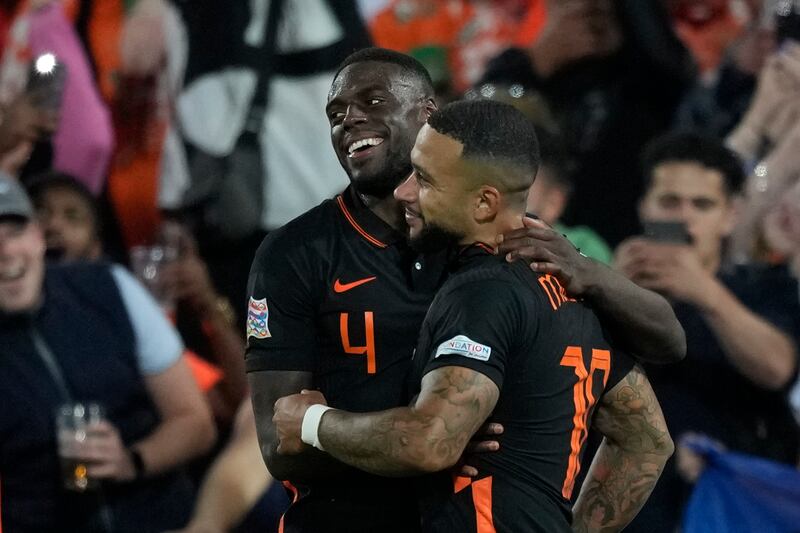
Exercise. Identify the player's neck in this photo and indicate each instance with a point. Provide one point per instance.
(387, 209)
(488, 232)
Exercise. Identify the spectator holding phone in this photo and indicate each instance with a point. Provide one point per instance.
(741, 325)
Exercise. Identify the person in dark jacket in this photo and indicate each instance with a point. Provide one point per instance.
(89, 333)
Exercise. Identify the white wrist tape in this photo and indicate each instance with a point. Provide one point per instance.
(310, 427)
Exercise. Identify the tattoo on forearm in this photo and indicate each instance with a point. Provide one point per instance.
(428, 436)
(630, 460)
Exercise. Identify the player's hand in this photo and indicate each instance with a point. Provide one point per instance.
(549, 252)
(288, 419)
(481, 442)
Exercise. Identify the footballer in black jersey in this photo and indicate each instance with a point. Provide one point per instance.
(502, 343)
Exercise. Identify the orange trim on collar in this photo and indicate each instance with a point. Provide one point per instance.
(485, 247)
(355, 225)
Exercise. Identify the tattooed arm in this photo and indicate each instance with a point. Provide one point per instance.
(428, 436)
(630, 459)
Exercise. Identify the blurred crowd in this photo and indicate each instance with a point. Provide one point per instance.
(159, 141)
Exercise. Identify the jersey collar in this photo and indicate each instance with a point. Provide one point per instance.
(476, 252)
(369, 225)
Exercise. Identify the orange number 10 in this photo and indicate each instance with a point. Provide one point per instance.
(584, 400)
(369, 340)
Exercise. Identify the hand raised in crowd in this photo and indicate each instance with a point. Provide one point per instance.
(549, 252)
(187, 278)
(288, 419)
(106, 455)
(575, 30)
(143, 47)
(750, 51)
(24, 122)
(672, 270)
(775, 106)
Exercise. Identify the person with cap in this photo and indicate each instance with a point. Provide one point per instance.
(89, 333)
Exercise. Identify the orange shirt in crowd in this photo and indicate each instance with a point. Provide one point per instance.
(456, 38)
(135, 168)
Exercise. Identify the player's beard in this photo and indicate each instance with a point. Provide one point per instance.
(381, 184)
(433, 238)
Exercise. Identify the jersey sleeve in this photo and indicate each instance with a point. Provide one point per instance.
(474, 325)
(281, 308)
(621, 364)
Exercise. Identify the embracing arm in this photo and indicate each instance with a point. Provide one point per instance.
(428, 436)
(630, 459)
(267, 387)
(641, 321)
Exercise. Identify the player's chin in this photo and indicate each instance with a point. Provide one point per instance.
(415, 227)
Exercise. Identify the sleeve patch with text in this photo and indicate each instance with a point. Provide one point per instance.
(463, 345)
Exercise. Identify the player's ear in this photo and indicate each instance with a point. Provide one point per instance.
(487, 204)
(430, 108)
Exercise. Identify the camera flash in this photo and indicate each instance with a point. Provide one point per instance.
(45, 63)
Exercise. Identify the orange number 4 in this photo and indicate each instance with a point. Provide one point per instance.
(584, 399)
(369, 336)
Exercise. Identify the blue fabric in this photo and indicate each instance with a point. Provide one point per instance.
(741, 493)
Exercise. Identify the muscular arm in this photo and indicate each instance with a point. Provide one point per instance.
(759, 350)
(266, 387)
(428, 436)
(642, 321)
(630, 459)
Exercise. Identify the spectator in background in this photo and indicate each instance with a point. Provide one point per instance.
(299, 170)
(68, 216)
(550, 195)
(766, 139)
(742, 326)
(138, 50)
(83, 141)
(238, 493)
(781, 227)
(23, 124)
(730, 49)
(89, 333)
(456, 38)
(613, 73)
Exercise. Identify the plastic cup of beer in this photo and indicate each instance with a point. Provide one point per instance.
(74, 423)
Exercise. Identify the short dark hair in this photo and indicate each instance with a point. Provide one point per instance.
(494, 132)
(689, 147)
(39, 185)
(384, 55)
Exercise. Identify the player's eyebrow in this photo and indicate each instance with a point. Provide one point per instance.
(422, 172)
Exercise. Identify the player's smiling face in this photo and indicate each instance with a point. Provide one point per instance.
(375, 110)
(435, 196)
